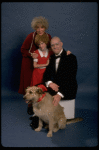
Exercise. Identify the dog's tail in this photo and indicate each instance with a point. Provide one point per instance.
(69, 121)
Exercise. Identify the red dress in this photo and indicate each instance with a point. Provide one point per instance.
(37, 76)
(27, 62)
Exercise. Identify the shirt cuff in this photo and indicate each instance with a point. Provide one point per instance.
(47, 83)
(60, 94)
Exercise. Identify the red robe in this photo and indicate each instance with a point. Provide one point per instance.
(27, 62)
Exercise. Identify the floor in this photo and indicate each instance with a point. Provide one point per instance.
(16, 130)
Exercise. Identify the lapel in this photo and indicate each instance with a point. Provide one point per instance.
(54, 64)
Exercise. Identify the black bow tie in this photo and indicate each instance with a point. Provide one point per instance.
(57, 56)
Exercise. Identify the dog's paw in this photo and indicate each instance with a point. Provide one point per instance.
(38, 129)
(55, 129)
(49, 134)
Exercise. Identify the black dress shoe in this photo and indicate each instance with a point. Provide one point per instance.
(35, 122)
(31, 118)
(30, 110)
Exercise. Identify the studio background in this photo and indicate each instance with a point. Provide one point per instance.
(76, 23)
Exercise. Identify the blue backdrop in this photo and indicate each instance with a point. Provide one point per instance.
(76, 23)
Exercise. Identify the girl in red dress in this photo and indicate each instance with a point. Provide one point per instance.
(42, 61)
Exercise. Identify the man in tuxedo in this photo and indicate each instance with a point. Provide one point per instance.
(60, 78)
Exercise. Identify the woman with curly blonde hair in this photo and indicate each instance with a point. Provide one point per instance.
(39, 21)
(40, 25)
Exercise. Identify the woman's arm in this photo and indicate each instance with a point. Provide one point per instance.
(26, 46)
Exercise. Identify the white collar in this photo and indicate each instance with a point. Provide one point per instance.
(41, 54)
(59, 53)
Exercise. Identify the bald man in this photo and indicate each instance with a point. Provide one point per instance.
(60, 78)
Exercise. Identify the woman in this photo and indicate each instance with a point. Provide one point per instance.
(39, 24)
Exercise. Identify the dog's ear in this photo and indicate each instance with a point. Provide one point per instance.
(27, 88)
(39, 91)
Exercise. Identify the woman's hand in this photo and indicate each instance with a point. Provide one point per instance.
(68, 52)
(34, 55)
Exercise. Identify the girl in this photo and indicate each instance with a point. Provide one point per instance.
(42, 61)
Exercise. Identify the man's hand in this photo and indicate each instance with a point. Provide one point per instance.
(54, 87)
(68, 52)
(56, 100)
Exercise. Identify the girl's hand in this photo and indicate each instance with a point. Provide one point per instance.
(47, 62)
(68, 52)
(34, 55)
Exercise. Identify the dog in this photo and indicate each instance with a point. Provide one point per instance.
(43, 108)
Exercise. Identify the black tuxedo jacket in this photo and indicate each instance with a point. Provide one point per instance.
(65, 76)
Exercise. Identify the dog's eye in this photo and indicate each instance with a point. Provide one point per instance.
(30, 92)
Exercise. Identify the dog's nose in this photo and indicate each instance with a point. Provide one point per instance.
(24, 97)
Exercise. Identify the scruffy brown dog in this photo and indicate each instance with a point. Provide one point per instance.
(46, 111)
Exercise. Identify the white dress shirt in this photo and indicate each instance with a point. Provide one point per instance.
(58, 60)
(56, 67)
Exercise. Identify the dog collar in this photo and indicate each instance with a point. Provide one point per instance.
(41, 97)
